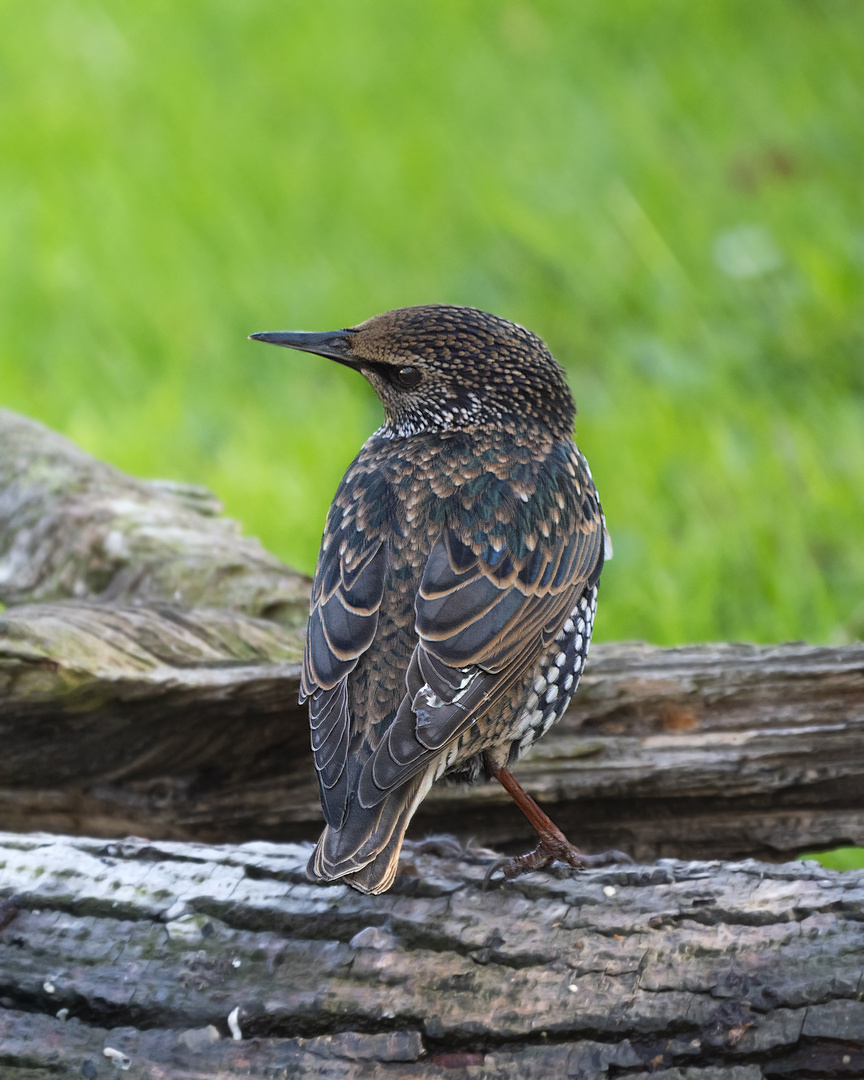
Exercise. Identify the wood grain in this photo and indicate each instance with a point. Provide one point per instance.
(72, 527)
(726, 971)
(185, 724)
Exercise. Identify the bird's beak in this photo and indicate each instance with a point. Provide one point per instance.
(336, 344)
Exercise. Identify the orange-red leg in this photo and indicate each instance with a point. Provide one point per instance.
(553, 846)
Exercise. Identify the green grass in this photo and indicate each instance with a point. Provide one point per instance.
(848, 858)
(174, 176)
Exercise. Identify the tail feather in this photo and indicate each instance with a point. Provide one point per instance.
(364, 851)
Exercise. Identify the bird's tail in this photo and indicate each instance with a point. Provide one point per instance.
(364, 851)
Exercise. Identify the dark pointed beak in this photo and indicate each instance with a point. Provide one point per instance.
(336, 344)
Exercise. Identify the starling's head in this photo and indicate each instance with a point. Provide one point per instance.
(439, 368)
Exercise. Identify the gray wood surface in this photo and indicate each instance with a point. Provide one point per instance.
(185, 724)
(677, 970)
(142, 691)
(74, 527)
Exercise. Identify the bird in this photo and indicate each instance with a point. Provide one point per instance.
(456, 585)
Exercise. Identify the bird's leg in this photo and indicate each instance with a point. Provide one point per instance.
(553, 843)
(553, 846)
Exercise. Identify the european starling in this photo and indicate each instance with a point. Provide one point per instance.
(456, 586)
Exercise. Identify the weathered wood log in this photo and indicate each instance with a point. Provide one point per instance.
(183, 723)
(186, 725)
(72, 526)
(145, 951)
(164, 706)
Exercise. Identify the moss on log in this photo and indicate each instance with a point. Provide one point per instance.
(185, 724)
(74, 527)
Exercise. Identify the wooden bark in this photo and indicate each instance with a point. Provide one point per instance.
(142, 691)
(679, 970)
(185, 724)
(72, 526)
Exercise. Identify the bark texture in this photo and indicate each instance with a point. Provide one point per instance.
(185, 724)
(679, 970)
(72, 526)
(169, 706)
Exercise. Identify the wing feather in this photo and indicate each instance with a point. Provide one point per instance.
(489, 600)
(480, 623)
(346, 598)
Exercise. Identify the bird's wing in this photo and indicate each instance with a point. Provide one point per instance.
(346, 597)
(482, 617)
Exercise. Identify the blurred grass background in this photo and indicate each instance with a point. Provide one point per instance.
(671, 195)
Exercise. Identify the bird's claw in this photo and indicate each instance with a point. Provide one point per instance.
(551, 849)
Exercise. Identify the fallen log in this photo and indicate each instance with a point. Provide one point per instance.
(160, 702)
(148, 680)
(185, 725)
(153, 953)
(75, 527)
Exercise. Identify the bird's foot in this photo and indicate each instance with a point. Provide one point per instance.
(554, 845)
(443, 845)
(551, 849)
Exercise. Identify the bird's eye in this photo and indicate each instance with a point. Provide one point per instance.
(408, 377)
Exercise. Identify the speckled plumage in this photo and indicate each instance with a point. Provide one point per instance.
(455, 590)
